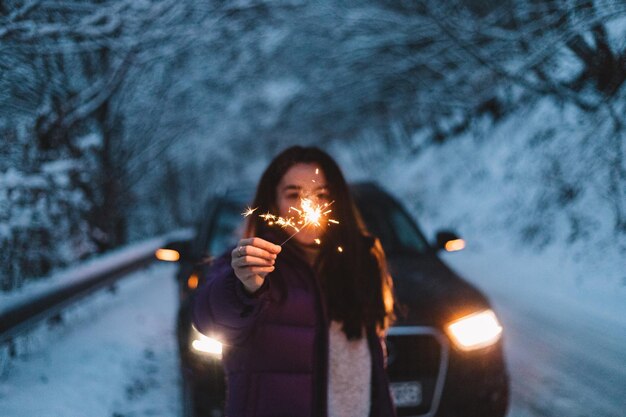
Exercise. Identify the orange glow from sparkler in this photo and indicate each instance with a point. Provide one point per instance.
(309, 214)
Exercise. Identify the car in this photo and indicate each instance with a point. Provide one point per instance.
(445, 353)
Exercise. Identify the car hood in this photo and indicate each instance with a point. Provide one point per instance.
(428, 292)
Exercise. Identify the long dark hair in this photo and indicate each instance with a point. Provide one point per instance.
(357, 286)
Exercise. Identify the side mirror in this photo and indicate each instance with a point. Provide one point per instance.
(448, 241)
(174, 251)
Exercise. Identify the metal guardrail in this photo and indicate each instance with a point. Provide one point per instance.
(79, 282)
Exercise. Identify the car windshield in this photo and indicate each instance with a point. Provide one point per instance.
(397, 232)
(395, 229)
(226, 229)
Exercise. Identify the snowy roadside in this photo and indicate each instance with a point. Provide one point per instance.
(100, 264)
(117, 357)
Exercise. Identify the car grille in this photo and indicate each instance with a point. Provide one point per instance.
(418, 354)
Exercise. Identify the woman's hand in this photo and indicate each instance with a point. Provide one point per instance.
(252, 260)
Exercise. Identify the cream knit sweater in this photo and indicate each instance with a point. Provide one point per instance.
(349, 374)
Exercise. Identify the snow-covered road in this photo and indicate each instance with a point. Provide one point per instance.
(115, 357)
(565, 347)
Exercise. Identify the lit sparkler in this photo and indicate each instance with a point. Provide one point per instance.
(309, 214)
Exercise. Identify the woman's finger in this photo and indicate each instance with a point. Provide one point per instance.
(253, 251)
(260, 243)
(251, 261)
(249, 276)
(260, 269)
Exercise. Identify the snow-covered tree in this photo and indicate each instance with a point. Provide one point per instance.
(146, 106)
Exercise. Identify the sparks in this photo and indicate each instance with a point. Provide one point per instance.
(267, 216)
(248, 211)
(309, 214)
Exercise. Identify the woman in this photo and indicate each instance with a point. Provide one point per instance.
(303, 324)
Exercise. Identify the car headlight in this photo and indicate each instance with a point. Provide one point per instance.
(475, 331)
(204, 344)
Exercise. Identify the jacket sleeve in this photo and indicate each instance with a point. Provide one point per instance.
(222, 308)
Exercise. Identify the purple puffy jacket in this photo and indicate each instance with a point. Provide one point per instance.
(276, 352)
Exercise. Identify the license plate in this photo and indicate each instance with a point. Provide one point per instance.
(406, 394)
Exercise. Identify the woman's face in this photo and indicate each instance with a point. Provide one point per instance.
(302, 181)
